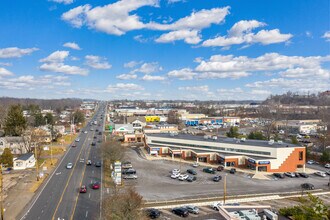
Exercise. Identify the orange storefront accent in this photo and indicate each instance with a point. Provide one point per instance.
(291, 163)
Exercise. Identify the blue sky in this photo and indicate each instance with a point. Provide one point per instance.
(166, 49)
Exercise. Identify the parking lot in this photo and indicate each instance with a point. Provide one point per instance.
(154, 182)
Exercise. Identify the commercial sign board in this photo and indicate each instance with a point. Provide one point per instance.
(263, 162)
(251, 161)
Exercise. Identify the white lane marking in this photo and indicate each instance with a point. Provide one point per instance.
(86, 213)
(108, 190)
(91, 181)
(92, 171)
(58, 173)
(89, 195)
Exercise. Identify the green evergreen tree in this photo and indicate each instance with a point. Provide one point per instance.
(49, 118)
(233, 132)
(7, 157)
(325, 157)
(294, 140)
(79, 117)
(15, 122)
(39, 120)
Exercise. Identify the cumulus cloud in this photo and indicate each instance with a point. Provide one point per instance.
(189, 36)
(148, 68)
(128, 76)
(131, 64)
(326, 35)
(66, 2)
(72, 45)
(97, 62)
(124, 87)
(14, 52)
(115, 18)
(182, 74)
(203, 88)
(153, 78)
(5, 72)
(241, 33)
(55, 63)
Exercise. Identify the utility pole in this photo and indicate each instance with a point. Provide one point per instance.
(51, 155)
(180, 157)
(224, 189)
(1, 186)
(36, 157)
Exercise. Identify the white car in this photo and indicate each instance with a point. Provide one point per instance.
(69, 166)
(176, 171)
(77, 140)
(311, 162)
(183, 177)
(290, 174)
(321, 173)
(196, 164)
(85, 132)
(175, 175)
(216, 205)
(327, 165)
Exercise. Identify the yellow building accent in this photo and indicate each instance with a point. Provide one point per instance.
(152, 118)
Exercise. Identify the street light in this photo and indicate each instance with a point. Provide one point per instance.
(1, 186)
(224, 189)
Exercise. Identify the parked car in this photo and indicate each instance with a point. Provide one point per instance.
(321, 173)
(175, 175)
(192, 209)
(153, 213)
(183, 177)
(129, 171)
(311, 162)
(96, 185)
(69, 166)
(83, 189)
(327, 165)
(130, 176)
(89, 162)
(307, 186)
(196, 164)
(209, 170)
(217, 178)
(191, 171)
(191, 178)
(215, 206)
(220, 168)
(98, 164)
(296, 174)
(232, 171)
(305, 175)
(176, 171)
(183, 212)
(279, 175)
(290, 174)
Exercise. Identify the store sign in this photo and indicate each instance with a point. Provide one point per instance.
(252, 161)
(155, 148)
(263, 162)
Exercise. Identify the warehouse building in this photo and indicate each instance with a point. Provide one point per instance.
(267, 156)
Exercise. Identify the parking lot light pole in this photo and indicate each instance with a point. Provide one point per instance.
(180, 157)
(1, 188)
(224, 189)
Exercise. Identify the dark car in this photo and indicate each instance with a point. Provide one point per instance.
(129, 171)
(307, 186)
(232, 171)
(96, 185)
(279, 175)
(191, 178)
(305, 175)
(183, 212)
(217, 178)
(153, 213)
(93, 143)
(191, 171)
(209, 170)
(220, 168)
(95, 137)
(296, 175)
(100, 133)
(98, 164)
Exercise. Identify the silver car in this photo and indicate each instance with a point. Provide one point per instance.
(192, 209)
(69, 166)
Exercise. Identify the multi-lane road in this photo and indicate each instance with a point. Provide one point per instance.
(59, 197)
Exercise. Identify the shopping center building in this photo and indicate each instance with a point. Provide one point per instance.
(267, 156)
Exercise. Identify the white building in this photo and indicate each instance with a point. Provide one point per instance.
(24, 161)
(15, 144)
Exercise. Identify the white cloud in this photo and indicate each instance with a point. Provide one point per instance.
(97, 62)
(124, 87)
(5, 64)
(113, 18)
(148, 68)
(326, 35)
(204, 88)
(131, 64)
(305, 73)
(153, 78)
(182, 74)
(219, 75)
(5, 72)
(241, 33)
(55, 63)
(140, 38)
(128, 76)
(72, 45)
(66, 2)
(14, 52)
(189, 36)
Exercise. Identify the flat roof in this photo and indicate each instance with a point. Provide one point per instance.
(188, 137)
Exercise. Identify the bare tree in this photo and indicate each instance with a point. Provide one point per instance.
(271, 114)
(112, 150)
(125, 204)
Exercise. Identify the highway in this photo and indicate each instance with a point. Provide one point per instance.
(59, 197)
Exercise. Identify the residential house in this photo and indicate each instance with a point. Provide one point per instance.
(24, 161)
(15, 144)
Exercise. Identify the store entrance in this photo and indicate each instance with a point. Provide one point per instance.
(262, 168)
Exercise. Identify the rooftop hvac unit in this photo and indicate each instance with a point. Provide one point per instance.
(215, 137)
(280, 142)
(207, 137)
(243, 139)
(270, 215)
(271, 142)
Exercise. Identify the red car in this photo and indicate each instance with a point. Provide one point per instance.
(96, 185)
(83, 189)
(73, 145)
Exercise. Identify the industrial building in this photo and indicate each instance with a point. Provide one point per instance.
(267, 156)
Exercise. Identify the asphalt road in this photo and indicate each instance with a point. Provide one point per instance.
(60, 198)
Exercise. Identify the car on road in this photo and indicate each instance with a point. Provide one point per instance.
(183, 177)
(191, 178)
(77, 140)
(304, 175)
(307, 186)
(183, 212)
(217, 178)
(89, 162)
(83, 189)
(327, 165)
(175, 175)
(232, 171)
(279, 175)
(69, 166)
(311, 162)
(128, 171)
(176, 171)
(98, 164)
(209, 170)
(321, 173)
(192, 171)
(85, 132)
(196, 164)
(96, 185)
(153, 213)
(93, 143)
(94, 137)
(192, 209)
(73, 145)
(130, 176)
(290, 174)
(220, 168)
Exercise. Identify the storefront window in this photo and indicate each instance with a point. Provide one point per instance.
(301, 155)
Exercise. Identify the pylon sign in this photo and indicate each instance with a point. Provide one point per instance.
(117, 173)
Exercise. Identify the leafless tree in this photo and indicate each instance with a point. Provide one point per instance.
(112, 150)
(271, 114)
